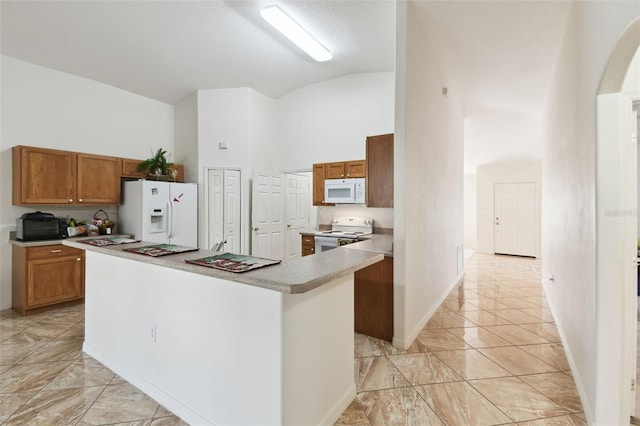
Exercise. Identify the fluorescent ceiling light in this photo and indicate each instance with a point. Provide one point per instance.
(294, 32)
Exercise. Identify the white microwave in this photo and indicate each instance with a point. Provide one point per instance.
(344, 191)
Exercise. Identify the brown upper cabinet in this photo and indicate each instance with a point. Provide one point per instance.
(346, 169)
(380, 171)
(319, 175)
(336, 170)
(129, 166)
(55, 177)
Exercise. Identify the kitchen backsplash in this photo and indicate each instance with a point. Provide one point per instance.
(78, 213)
(382, 217)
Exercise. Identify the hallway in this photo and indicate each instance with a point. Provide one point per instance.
(490, 355)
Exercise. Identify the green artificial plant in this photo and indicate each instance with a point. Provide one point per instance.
(156, 165)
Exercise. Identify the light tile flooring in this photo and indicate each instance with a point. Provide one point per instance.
(46, 379)
(490, 355)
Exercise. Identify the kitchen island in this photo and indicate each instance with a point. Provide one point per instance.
(269, 346)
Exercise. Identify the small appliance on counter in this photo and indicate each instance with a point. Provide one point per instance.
(38, 226)
(344, 230)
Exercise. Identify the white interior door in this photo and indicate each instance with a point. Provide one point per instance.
(297, 208)
(215, 218)
(267, 217)
(232, 227)
(224, 209)
(516, 219)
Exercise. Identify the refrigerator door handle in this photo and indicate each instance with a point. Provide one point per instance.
(169, 220)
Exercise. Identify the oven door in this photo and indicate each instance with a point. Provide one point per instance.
(325, 243)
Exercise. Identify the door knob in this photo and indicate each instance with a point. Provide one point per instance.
(256, 229)
(289, 226)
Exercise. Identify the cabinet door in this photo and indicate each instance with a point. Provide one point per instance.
(98, 179)
(319, 175)
(356, 169)
(43, 176)
(308, 245)
(373, 300)
(129, 166)
(380, 171)
(54, 280)
(335, 170)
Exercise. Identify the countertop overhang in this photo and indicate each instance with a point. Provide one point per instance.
(292, 276)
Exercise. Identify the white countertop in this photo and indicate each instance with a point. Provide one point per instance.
(377, 243)
(297, 275)
(15, 242)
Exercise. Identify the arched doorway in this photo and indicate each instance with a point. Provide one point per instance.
(616, 233)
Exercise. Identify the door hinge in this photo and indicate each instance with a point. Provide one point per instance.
(633, 385)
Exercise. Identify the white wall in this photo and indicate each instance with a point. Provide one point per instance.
(487, 176)
(428, 202)
(568, 205)
(46, 108)
(470, 212)
(329, 121)
(186, 136)
(244, 120)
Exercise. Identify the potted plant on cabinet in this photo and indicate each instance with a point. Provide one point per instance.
(156, 166)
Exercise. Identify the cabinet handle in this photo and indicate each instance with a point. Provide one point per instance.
(348, 174)
(313, 249)
(78, 259)
(80, 199)
(56, 251)
(71, 200)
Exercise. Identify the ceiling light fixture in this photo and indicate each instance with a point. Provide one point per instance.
(294, 32)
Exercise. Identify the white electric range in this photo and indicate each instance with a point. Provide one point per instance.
(344, 230)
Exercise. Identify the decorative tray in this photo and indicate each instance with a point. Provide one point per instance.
(157, 250)
(233, 262)
(100, 242)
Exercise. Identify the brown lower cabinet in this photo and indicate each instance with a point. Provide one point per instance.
(373, 300)
(308, 245)
(43, 276)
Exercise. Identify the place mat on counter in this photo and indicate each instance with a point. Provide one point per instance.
(157, 250)
(100, 242)
(233, 262)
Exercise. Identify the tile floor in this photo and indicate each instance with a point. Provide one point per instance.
(490, 355)
(46, 379)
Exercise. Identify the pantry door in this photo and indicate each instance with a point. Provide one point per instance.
(224, 209)
(267, 216)
(297, 210)
(516, 219)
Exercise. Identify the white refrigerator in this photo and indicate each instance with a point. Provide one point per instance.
(160, 212)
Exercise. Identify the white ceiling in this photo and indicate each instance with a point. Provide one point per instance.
(499, 56)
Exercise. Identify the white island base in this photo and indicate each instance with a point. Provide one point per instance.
(217, 352)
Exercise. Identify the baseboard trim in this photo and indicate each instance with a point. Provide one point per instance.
(343, 403)
(408, 340)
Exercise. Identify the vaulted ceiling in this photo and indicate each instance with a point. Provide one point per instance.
(499, 55)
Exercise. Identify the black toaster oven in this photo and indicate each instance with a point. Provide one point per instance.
(39, 226)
